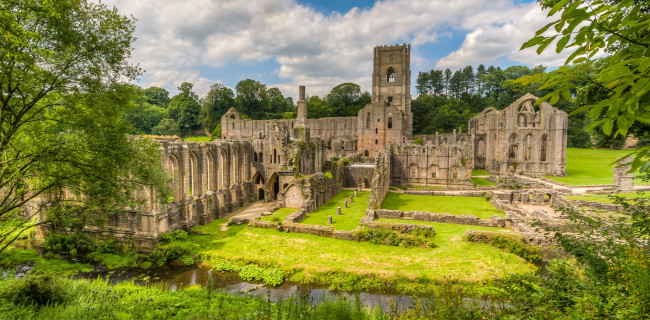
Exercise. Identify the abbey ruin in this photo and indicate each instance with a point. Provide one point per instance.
(300, 162)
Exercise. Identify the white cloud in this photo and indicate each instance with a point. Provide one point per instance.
(488, 43)
(178, 38)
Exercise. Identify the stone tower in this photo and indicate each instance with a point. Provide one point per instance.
(391, 80)
(302, 105)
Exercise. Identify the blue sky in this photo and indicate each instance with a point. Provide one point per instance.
(320, 44)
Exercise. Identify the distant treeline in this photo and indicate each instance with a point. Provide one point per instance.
(445, 100)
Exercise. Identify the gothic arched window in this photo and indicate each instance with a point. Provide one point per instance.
(390, 75)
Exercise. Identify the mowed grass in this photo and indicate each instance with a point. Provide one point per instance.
(482, 182)
(198, 139)
(480, 172)
(590, 166)
(303, 255)
(477, 206)
(280, 214)
(350, 216)
(609, 199)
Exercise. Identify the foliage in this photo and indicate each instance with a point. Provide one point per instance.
(171, 252)
(214, 105)
(172, 236)
(216, 134)
(590, 28)
(344, 100)
(38, 290)
(417, 238)
(166, 127)
(508, 242)
(64, 67)
(74, 243)
(184, 109)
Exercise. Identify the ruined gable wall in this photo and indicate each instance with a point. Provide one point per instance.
(433, 164)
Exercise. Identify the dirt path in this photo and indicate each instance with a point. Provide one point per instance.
(253, 211)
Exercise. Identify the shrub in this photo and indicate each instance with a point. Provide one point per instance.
(510, 243)
(273, 276)
(36, 289)
(172, 252)
(73, 243)
(172, 236)
(417, 237)
(251, 272)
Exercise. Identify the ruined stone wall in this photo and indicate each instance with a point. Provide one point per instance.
(381, 179)
(532, 139)
(446, 164)
(359, 175)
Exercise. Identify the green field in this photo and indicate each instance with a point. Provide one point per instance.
(350, 216)
(304, 255)
(482, 182)
(590, 166)
(280, 214)
(480, 172)
(609, 199)
(477, 206)
(198, 139)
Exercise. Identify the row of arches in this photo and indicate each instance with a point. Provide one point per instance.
(195, 172)
(432, 172)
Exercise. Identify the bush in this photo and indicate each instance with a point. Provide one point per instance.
(36, 289)
(417, 237)
(251, 272)
(172, 252)
(510, 243)
(172, 236)
(73, 243)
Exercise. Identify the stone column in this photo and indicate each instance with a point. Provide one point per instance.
(345, 203)
(329, 219)
(338, 211)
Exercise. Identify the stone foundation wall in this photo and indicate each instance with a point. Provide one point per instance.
(468, 219)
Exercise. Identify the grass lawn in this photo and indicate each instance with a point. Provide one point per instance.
(590, 166)
(350, 216)
(280, 214)
(198, 139)
(606, 198)
(482, 182)
(480, 172)
(477, 206)
(304, 255)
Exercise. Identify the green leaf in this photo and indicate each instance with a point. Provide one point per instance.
(557, 7)
(562, 43)
(532, 42)
(608, 124)
(555, 97)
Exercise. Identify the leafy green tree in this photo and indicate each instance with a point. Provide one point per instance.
(144, 116)
(252, 99)
(62, 104)
(437, 82)
(344, 96)
(215, 104)
(318, 108)
(184, 108)
(618, 29)
(422, 83)
(166, 127)
(157, 96)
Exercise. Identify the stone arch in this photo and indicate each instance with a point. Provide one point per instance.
(542, 149)
(235, 167)
(254, 156)
(258, 179)
(433, 171)
(274, 186)
(390, 121)
(209, 171)
(174, 167)
(480, 148)
(522, 120)
(390, 75)
(260, 193)
(513, 148)
(547, 198)
(366, 153)
(223, 176)
(413, 170)
(455, 173)
(528, 146)
(293, 197)
(194, 175)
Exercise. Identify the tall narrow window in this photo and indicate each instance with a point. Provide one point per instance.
(368, 120)
(390, 75)
(376, 130)
(390, 122)
(542, 156)
(390, 99)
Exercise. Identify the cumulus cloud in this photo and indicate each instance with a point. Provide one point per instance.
(488, 43)
(178, 38)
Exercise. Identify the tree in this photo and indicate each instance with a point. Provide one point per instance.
(589, 28)
(318, 108)
(62, 104)
(422, 83)
(166, 127)
(215, 104)
(157, 96)
(251, 99)
(144, 116)
(344, 96)
(184, 108)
